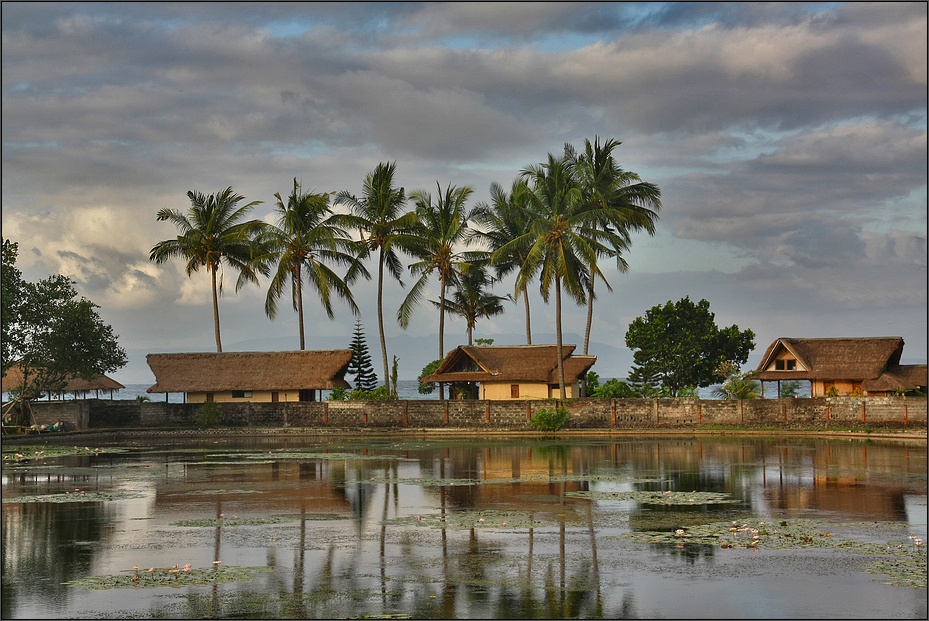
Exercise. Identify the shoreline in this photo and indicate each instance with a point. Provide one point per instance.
(905, 435)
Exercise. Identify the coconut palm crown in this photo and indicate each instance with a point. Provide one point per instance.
(214, 232)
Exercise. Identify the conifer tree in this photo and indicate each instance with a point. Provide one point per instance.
(360, 365)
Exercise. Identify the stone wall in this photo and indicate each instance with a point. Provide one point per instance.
(479, 414)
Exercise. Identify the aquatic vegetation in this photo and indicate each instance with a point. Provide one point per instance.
(470, 519)
(76, 496)
(175, 577)
(235, 520)
(16, 454)
(659, 498)
(907, 568)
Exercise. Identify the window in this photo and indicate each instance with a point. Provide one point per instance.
(785, 365)
(514, 390)
(241, 394)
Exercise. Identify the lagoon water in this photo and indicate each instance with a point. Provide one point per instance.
(466, 527)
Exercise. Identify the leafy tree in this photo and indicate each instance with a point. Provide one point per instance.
(384, 226)
(304, 240)
(12, 292)
(212, 233)
(500, 224)
(679, 345)
(611, 389)
(736, 384)
(360, 365)
(789, 389)
(53, 335)
(428, 388)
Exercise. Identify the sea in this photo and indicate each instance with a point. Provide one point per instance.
(406, 389)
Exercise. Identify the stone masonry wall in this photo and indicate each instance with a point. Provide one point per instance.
(478, 414)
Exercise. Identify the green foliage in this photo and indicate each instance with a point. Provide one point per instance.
(482, 342)
(337, 394)
(52, 333)
(789, 389)
(360, 365)
(208, 415)
(548, 419)
(679, 345)
(381, 393)
(736, 385)
(611, 389)
(393, 378)
(214, 232)
(429, 369)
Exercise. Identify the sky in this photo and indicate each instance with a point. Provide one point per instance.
(788, 141)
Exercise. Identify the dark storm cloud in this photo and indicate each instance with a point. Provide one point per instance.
(789, 139)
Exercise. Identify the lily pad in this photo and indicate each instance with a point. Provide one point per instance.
(75, 496)
(658, 498)
(169, 577)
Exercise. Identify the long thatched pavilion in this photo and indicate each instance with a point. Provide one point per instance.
(250, 376)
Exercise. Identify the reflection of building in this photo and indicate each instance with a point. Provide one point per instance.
(514, 371)
(13, 380)
(843, 366)
(250, 376)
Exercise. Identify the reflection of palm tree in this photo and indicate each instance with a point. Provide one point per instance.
(213, 232)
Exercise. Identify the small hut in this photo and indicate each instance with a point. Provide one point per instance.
(867, 366)
(513, 371)
(250, 376)
(77, 387)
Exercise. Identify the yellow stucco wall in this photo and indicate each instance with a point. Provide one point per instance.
(502, 391)
(258, 396)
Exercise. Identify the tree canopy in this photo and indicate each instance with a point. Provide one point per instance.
(679, 345)
(53, 334)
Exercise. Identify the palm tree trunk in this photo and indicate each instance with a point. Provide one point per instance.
(380, 316)
(528, 331)
(590, 312)
(442, 332)
(219, 344)
(560, 347)
(300, 308)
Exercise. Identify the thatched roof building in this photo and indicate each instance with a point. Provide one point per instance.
(527, 371)
(13, 380)
(273, 372)
(867, 366)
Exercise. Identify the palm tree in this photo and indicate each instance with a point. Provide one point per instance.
(625, 202)
(471, 301)
(303, 241)
(506, 219)
(443, 226)
(378, 215)
(212, 233)
(565, 243)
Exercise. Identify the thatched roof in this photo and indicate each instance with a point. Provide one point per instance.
(873, 361)
(510, 363)
(272, 370)
(14, 380)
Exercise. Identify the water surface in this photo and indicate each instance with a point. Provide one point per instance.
(466, 528)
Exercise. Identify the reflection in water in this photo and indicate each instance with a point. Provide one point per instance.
(379, 526)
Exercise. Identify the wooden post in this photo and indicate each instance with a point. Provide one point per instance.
(614, 411)
(326, 412)
(656, 411)
(699, 413)
(487, 405)
(446, 410)
(862, 411)
(528, 411)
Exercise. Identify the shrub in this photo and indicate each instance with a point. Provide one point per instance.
(209, 415)
(547, 419)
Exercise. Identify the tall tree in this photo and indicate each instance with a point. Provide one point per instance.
(501, 222)
(624, 203)
(562, 251)
(384, 227)
(443, 225)
(11, 282)
(360, 365)
(214, 232)
(680, 345)
(304, 240)
(471, 300)
(53, 335)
